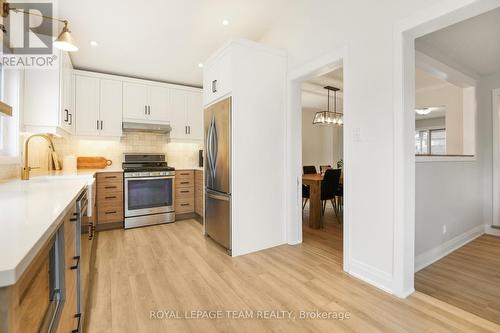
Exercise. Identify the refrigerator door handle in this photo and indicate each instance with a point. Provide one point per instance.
(217, 196)
(209, 152)
(211, 148)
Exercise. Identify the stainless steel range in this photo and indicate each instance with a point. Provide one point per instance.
(149, 190)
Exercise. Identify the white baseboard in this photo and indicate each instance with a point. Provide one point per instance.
(491, 231)
(427, 258)
(371, 275)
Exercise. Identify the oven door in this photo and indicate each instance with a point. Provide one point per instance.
(149, 195)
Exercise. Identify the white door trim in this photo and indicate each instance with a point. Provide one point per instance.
(293, 184)
(438, 16)
(496, 156)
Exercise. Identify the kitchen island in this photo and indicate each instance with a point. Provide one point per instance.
(40, 230)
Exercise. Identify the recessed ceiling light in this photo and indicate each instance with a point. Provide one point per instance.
(93, 43)
(225, 22)
(200, 65)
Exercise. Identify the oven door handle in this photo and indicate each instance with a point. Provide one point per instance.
(149, 178)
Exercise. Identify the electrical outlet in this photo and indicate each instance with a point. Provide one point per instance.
(444, 229)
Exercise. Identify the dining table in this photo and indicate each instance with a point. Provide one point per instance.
(314, 180)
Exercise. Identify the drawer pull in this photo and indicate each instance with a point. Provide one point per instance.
(184, 191)
(109, 187)
(185, 204)
(112, 212)
(111, 197)
(183, 183)
(73, 220)
(110, 177)
(184, 174)
(77, 258)
(77, 329)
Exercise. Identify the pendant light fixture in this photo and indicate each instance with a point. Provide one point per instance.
(63, 42)
(329, 117)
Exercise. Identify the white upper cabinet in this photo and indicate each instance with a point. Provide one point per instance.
(178, 107)
(87, 105)
(48, 98)
(135, 101)
(186, 110)
(195, 115)
(110, 107)
(103, 102)
(142, 102)
(217, 78)
(98, 104)
(158, 103)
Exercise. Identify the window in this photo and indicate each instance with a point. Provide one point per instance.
(438, 141)
(430, 141)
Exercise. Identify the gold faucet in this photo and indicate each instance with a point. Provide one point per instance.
(25, 172)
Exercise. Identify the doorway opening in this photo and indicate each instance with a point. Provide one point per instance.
(334, 62)
(447, 131)
(322, 162)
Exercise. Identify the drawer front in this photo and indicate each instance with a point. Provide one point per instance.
(184, 193)
(110, 214)
(184, 182)
(183, 206)
(109, 197)
(103, 177)
(184, 174)
(115, 186)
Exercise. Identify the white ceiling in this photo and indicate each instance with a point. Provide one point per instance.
(314, 96)
(162, 39)
(473, 43)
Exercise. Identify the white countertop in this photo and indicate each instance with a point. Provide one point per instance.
(188, 168)
(31, 211)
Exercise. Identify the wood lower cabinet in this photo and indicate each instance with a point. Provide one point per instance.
(25, 306)
(198, 192)
(109, 200)
(69, 320)
(184, 191)
(25, 303)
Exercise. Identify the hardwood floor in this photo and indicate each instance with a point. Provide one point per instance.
(173, 267)
(468, 278)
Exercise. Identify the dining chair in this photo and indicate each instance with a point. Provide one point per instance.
(339, 198)
(307, 169)
(329, 187)
(323, 168)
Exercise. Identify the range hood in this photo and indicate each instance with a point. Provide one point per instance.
(144, 127)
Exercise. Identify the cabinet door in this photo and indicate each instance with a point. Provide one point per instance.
(158, 103)
(87, 105)
(67, 117)
(110, 110)
(217, 78)
(178, 114)
(195, 115)
(135, 99)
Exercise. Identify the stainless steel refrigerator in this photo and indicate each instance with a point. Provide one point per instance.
(217, 124)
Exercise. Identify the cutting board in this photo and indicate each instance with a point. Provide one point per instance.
(92, 162)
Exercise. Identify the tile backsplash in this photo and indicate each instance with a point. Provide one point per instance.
(9, 171)
(179, 155)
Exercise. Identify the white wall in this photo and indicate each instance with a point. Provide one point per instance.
(321, 145)
(430, 123)
(485, 136)
(320, 27)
